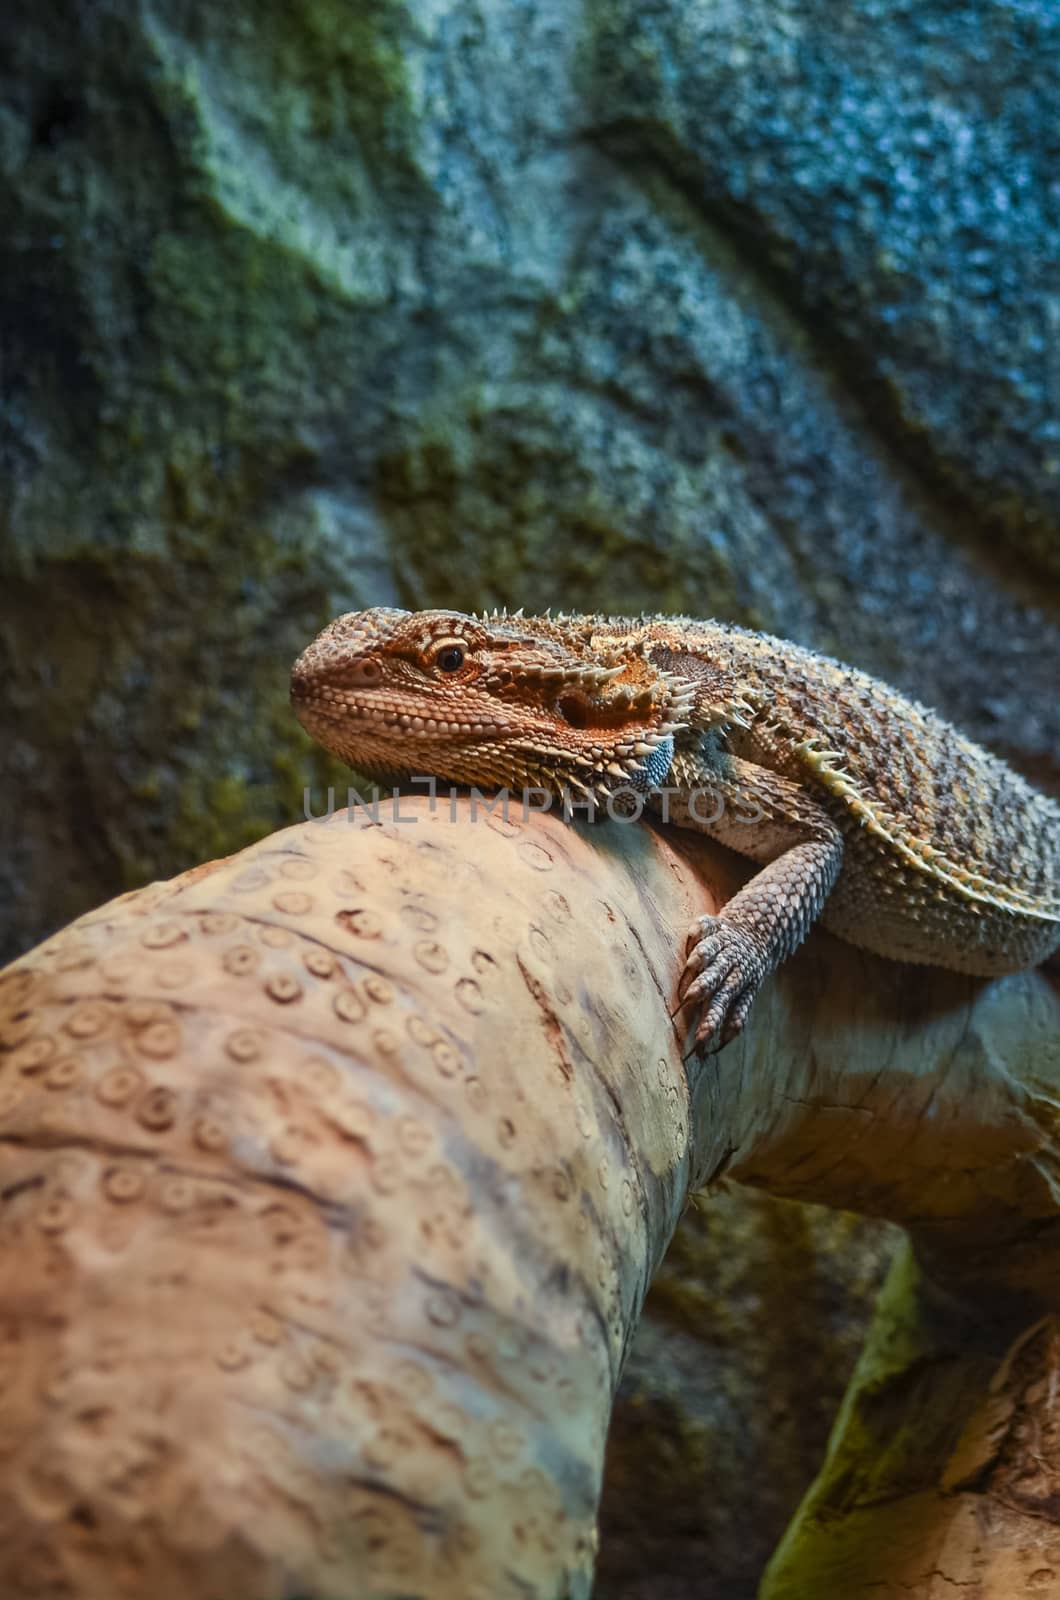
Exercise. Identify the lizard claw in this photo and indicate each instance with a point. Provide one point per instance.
(721, 975)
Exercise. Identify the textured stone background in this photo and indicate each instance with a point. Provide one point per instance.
(749, 307)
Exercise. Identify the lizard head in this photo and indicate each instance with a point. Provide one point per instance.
(499, 701)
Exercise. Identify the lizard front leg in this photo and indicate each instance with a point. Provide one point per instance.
(774, 821)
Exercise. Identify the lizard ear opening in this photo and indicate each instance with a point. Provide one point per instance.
(574, 710)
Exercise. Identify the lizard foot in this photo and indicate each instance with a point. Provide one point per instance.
(722, 974)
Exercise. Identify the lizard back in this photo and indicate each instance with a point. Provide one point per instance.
(926, 811)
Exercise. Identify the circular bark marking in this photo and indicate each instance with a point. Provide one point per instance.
(477, 1098)
(209, 1134)
(557, 905)
(502, 824)
(232, 1356)
(413, 1380)
(283, 988)
(445, 1059)
(15, 990)
(159, 1040)
(419, 917)
(30, 1057)
(293, 902)
(479, 1477)
(88, 1020)
(157, 1111)
(470, 996)
(445, 1176)
(117, 1087)
(56, 1214)
(17, 1028)
(431, 956)
(321, 963)
(218, 922)
(241, 960)
(162, 936)
(275, 938)
(284, 1226)
(62, 1074)
(243, 1045)
(378, 989)
(536, 856)
(298, 868)
(320, 1075)
(419, 1032)
(123, 1184)
(361, 923)
(386, 1175)
(348, 1006)
(506, 1440)
(414, 1137)
(250, 881)
(176, 1196)
(442, 1308)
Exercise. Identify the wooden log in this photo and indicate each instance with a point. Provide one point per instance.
(333, 1175)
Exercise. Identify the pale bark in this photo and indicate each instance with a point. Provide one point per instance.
(333, 1176)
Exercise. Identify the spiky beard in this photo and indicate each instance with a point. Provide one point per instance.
(601, 770)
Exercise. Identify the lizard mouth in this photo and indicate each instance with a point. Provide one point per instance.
(353, 728)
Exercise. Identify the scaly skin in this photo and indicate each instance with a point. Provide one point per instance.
(862, 808)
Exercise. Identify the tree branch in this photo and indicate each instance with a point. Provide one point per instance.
(333, 1176)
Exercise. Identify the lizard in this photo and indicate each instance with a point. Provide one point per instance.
(861, 808)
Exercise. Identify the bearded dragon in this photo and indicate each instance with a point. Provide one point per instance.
(863, 809)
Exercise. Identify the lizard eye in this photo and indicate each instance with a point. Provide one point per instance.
(450, 658)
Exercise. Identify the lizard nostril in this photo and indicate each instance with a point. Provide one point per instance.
(367, 672)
